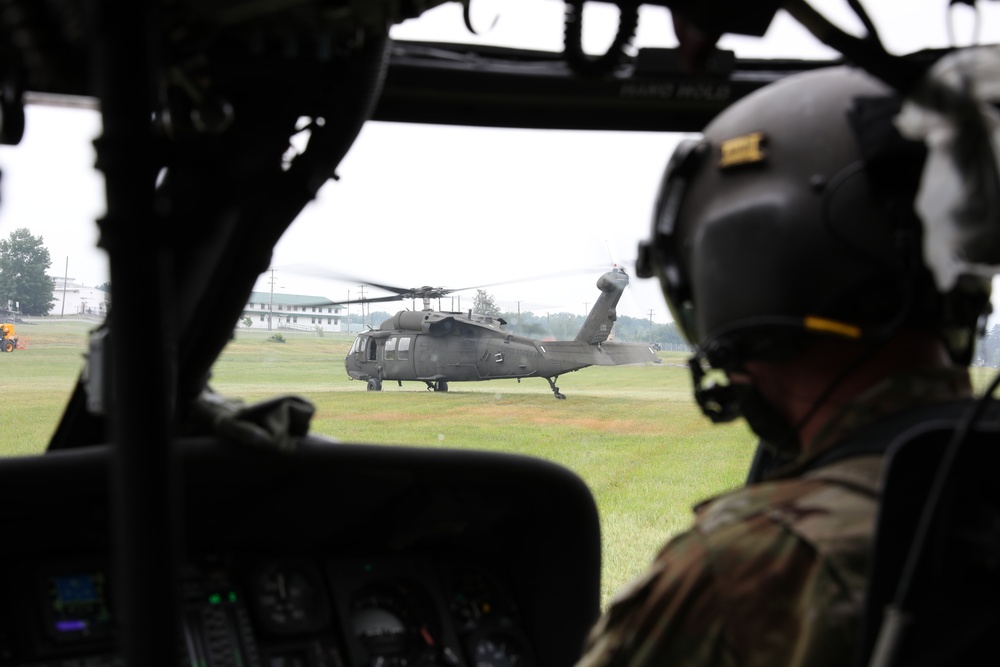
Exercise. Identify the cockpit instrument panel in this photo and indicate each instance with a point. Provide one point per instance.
(297, 612)
(454, 559)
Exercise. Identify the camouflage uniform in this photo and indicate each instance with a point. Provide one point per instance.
(773, 573)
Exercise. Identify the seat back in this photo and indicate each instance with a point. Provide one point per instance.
(933, 593)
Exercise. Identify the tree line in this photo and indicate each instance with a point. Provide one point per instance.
(564, 326)
(557, 326)
(26, 288)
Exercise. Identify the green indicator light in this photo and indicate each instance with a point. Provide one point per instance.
(232, 596)
(214, 598)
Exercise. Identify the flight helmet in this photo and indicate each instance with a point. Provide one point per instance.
(792, 216)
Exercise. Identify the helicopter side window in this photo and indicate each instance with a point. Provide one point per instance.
(403, 349)
(390, 349)
(372, 350)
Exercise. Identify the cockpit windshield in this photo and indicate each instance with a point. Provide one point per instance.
(442, 290)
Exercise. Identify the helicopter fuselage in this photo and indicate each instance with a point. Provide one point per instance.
(435, 347)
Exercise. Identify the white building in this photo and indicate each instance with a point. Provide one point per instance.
(73, 299)
(285, 311)
(290, 311)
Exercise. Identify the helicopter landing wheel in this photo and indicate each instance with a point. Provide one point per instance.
(374, 384)
(441, 385)
(555, 389)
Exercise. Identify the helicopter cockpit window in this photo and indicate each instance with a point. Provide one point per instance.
(404, 348)
(390, 349)
(372, 349)
(355, 347)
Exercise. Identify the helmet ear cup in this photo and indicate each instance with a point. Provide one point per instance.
(718, 402)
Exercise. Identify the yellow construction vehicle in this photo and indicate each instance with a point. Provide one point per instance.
(8, 341)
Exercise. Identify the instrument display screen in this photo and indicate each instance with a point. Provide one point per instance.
(77, 607)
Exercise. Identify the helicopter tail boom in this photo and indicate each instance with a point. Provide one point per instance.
(604, 354)
(597, 327)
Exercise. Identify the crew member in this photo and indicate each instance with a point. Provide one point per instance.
(788, 249)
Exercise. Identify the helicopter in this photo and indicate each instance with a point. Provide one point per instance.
(438, 347)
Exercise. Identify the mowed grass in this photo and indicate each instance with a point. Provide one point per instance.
(37, 382)
(633, 434)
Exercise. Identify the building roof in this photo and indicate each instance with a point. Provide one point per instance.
(60, 282)
(290, 299)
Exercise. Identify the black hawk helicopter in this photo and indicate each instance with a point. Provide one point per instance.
(438, 347)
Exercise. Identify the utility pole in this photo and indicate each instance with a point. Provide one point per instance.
(348, 304)
(270, 302)
(65, 278)
(363, 320)
(650, 326)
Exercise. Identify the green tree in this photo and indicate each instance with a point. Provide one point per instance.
(360, 322)
(104, 287)
(483, 304)
(23, 280)
(564, 326)
(524, 323)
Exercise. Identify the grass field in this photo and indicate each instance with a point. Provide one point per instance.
(633, 434)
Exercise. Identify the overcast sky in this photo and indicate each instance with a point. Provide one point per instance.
(449, 206)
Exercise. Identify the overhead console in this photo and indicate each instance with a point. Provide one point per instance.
(335, 555)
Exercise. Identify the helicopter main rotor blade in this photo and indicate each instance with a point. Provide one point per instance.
(377, 299)
(427, 291)
(535, 278)
(351, 302)
(317, 271)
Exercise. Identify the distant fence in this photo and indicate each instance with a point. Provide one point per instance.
(298, 327)
(676, 347)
